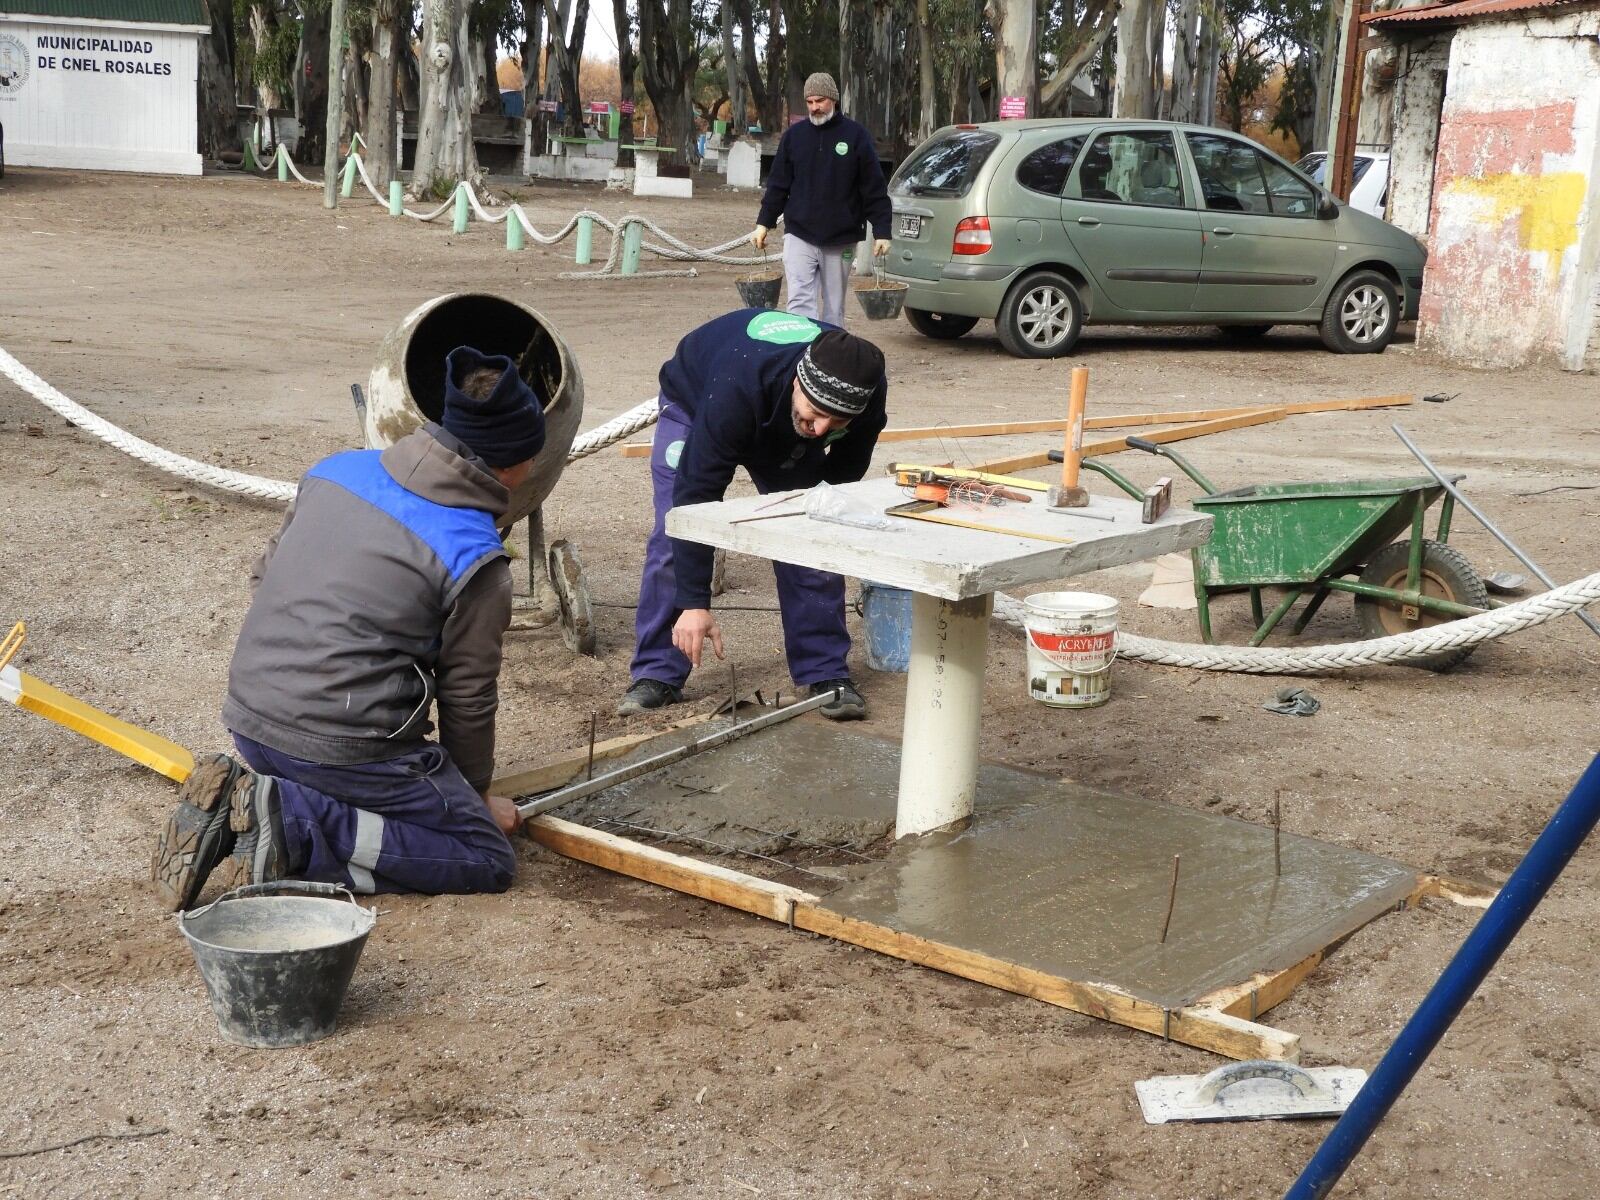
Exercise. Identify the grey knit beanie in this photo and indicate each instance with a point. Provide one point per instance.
(821, 84)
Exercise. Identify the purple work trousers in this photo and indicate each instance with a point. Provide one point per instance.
(406, 824)
(811, 603)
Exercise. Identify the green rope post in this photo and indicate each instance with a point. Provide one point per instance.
(283, 164)
(249, 161)
(585, 241)
(631, 246)
(348, 184)
(357, 142)
(460, 225)
(397, 196)
(514, 228)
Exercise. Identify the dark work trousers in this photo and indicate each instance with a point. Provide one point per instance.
(811, 602)
(407, 824)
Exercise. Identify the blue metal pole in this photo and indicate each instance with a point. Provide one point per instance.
(1488, 940)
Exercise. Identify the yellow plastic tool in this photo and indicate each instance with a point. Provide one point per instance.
(146, 748)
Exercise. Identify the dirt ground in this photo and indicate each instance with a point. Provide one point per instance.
(585, 1035)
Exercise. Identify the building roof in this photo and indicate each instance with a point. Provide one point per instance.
(1453, 12)
(143, 12)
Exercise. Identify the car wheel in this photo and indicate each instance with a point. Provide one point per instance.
(1244, 333)
(1361, 315)
(1041, 316)
(944, 326)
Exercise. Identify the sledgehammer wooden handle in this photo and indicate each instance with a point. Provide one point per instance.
(1072, 449)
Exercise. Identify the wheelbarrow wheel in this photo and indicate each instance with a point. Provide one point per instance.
(577, 615)
(1446, 575)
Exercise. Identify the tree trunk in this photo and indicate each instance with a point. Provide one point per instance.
(490, 102)
(927, 119)
(1157, 51)
(1210, 58)
(1134, 97)
(1185, 60)
(377, 130)
(438, 54)
(667, 54)
(567, 57)
(730, 63)
(263, 24)
(1099, 22)
(219, 126)
(311, 82)
(627, 67)
(1327, 64)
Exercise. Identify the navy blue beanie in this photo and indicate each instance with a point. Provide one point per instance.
(506, 428)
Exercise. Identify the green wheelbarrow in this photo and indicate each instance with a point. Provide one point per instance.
(1316, 538)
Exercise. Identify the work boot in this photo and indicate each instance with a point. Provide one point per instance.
(197, 836)
(848, 705)
(647, 694)
(260, 854)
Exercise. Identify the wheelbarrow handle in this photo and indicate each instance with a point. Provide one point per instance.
(1110, 473)
(1188, 468)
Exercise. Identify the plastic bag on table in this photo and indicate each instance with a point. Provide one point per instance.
(827, 503)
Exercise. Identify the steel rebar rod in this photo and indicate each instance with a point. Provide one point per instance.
(600, 783)
(1472, 508)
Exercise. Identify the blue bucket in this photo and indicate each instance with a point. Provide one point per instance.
(886, 612)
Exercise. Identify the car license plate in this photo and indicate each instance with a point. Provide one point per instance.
(908, 225)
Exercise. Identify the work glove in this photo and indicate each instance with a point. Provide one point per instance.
(758, 239)
(880, 248)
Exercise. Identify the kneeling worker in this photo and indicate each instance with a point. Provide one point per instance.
(795, 402)
(386, 591)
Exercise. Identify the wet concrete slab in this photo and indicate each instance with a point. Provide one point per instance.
(1050, 875)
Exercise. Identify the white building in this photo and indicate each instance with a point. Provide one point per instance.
(108, 85)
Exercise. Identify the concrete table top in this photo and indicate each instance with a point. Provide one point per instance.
(946, 561)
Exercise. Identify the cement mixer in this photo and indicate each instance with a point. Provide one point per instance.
(406, 388)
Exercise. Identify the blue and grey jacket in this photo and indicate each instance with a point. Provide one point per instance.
(732, 380)
(826, 181)
(386, 591)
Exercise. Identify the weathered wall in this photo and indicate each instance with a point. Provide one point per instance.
(1418, 99)
(1513, 229)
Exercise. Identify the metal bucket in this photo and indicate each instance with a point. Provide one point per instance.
(277, 959)
(760, 290)
(406, 386)
(881, 299)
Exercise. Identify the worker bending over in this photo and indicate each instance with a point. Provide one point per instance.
(387, 592)
(795, 403)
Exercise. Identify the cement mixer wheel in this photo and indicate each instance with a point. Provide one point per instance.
(577, 615)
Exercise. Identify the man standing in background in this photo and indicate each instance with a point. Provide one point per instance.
(826, 182)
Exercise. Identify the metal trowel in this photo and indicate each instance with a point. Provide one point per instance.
(1260, 1090)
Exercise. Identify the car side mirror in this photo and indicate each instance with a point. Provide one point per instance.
(1328, 210)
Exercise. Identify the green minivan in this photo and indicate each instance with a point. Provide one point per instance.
(1043, 226)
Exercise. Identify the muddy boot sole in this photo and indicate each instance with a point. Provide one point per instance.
(196, 836)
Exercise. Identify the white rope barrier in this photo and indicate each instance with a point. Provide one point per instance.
(1260, 660)
(669, 246)
(1346, 656)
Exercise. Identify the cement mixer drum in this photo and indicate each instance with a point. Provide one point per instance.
(406, 387)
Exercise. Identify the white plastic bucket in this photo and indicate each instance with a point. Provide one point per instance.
(1072, 640)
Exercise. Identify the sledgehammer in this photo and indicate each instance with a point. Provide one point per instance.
(1068, 494)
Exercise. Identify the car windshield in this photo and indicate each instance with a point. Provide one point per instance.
(945, 165)
(1315, 168)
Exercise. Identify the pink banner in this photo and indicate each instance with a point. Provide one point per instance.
(1013, 108)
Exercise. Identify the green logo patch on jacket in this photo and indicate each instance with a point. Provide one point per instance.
(782, 329)
(841, 148)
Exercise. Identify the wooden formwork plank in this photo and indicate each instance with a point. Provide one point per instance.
(1179, 433)
(1207, 1028)
(1109, 421)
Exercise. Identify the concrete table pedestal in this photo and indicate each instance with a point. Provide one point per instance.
(953, 573)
